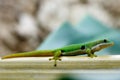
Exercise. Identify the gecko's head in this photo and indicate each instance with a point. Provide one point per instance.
(101, 44)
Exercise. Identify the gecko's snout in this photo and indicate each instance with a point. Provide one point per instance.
(112, 43)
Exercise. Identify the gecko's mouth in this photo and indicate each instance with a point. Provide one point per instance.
(102, 46)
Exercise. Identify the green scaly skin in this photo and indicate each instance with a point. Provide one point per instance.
(88, 48)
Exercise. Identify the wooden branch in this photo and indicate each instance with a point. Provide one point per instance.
(76, 62)
(28, 68)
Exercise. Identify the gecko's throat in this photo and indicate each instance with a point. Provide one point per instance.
(101, 46)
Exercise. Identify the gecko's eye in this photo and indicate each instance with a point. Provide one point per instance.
(105, 40)
(82, 47)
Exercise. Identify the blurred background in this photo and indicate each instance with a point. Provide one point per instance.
(27, 25)
(24, 24)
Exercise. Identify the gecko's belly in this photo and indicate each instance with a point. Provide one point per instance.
(74, 53)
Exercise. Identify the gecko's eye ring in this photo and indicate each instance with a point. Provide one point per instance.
(82, 47)
(105, 40)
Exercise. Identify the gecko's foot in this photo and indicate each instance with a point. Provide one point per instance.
(55, 60)
(90, 55)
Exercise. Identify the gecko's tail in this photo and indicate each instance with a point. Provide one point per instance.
(12, 56)
(41, 53)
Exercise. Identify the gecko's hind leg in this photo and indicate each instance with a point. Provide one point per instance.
(56, 57)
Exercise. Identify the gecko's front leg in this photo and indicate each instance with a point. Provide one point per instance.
(94, 55)
(56, 57)
(90, 54)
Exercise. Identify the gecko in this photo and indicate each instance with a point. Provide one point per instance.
(88, 48)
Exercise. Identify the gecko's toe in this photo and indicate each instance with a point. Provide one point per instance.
(95, 55)
(91, 56)
(50, 59)
(55, 65)
(60, 59)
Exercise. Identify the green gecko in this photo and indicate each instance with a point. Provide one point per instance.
(88, 48)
